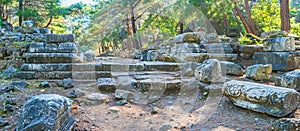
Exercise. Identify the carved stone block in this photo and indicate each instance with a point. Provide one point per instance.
(272, 100)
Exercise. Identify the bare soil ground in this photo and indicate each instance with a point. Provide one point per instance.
(215, 113)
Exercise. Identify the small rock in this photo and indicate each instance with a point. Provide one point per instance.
(9, 72)
(76, 93)
(9, 108)
(19, 85)
(114, 109)
(94, 99)
(122, 102)
(165, 127)
(154, 110)
(45, 84)
(3, 122)
(66, 83)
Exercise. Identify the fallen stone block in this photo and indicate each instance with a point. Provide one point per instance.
(46, 112)
(218, 48)
(259, 72)
(279, 44)
(275, 101)
(223, 57)
(161, 86)
(289, 80)
(107, 84)
(209, 71)
(186, 37)
(123, 94)
(281, 61)
(93, 99)
(230, 68)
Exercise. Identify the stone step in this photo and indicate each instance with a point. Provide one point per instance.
(106, 66)
(297, 42)
(62, 75)
(297, 47)
(52, 58)
(223, 57)
(218, 48)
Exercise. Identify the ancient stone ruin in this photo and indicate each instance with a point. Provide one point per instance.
(189, 69)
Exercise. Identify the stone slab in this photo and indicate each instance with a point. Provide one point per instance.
(289, 80)
(162, 66)
(218, 48)
(164, 86)
(52, 58)
(107, 84)
(60, 38)
(281, 61)
(279, 44)
(272, 100)
(62, 75)
(223, 57)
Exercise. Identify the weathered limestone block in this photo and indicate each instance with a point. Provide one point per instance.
(289, 80)
(68, 47)
(286, 124)
(185, 48)
(37, 47)
(51, 48)
(272, 100)
(47, 112)
(209, 71)
(44, 30)
(230, 68)
(279, 44)
(223, 57)
(161, 66)
(27, 24)
(185, 57)
(107, 84)
(29, 30)
(123, 94)
(46, 67)
(60, 38)
(259, 72)
(93, 99)
(160, 86)
(250, 49)
(52, 57)
(218, 48)
(188, 68)
(116, 67)
(274, 34)
(186, 37)
(281, 61)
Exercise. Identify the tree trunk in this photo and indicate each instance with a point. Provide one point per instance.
(251, 22)
(285, 15)
(181, 27)
(20, 9)
(49, 22)
(226, 23)
(239, 12)
(215, 24)
(132, 18)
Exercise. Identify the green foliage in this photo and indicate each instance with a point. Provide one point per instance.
(249, 39)
(266, 14)
(84, 48)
